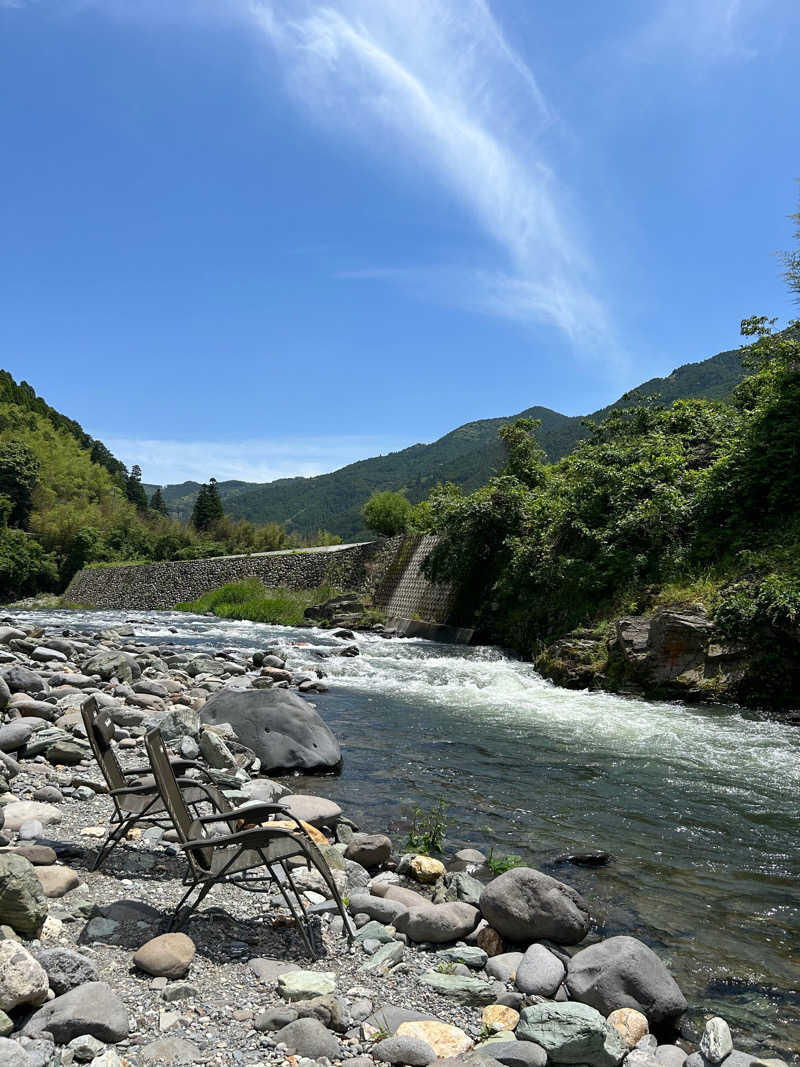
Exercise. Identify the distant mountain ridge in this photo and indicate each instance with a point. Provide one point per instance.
(467, 456)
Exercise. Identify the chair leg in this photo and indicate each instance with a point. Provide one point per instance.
(113, 838)
(301, 920)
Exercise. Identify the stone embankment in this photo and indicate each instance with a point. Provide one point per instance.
(449, 962)
(389, 571)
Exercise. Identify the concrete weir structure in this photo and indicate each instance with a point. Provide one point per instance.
(388, 570)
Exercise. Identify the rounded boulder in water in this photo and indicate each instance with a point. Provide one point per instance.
(525, 905)
(283, 730)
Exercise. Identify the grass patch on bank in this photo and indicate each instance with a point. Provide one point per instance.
(255, 602)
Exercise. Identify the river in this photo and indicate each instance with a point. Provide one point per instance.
(700, 807)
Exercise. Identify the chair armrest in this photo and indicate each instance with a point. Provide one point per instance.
(257, 837)
(130, 790)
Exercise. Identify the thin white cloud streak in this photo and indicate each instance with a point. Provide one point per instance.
(709, 32)
(434, 90)
(433, 85)
(165, 462)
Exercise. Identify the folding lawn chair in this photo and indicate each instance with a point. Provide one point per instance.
(133, 792)
(254, 858)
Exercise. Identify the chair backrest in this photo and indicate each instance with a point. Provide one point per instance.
(186, 826)
(100, 732)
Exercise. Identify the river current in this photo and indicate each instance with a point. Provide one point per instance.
(700, 807)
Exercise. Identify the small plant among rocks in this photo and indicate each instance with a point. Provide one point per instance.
(428, 829)
(446, 967)
(499, 864)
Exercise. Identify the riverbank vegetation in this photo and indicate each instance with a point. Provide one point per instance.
(253, 601)
(65, 502)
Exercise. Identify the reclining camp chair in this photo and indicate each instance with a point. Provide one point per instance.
(133, 792)
(254, 858)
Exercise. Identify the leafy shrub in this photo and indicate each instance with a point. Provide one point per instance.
(428, 829)
(387, 513)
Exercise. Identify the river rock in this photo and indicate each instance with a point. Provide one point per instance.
(38, 855)
(308, 1037)
(14, 735)
(283, 730)
(409, 897)
(525, 905)
(215, 752)
(464, 989)
(572, 1033)
(426, 869)
(370, 850)
(166, 956)
(22, 979)
(630, 1024)
(303, 985)
(504, 967)
(66, 968)
(403, 1050)
(20, 811)
(93, 1008)
(539, 972)
(12, 1054)
(386, 957)
(267, 970)
(113, 664)
(22, 903)
(670, 1056)
(716, 1042)
(315, 810)
(439, 923)
(380, 908)
(266, 790)
(20, 679)
(458, 885)
(445, 1040)
(470, 955)
(57, 881)
(622, 972)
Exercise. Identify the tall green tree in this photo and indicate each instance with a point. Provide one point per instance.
(158, 503)
(208, 507)
(19, 471)
(134, 490)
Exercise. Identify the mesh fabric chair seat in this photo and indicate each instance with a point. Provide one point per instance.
(252, 857)
(133, 792)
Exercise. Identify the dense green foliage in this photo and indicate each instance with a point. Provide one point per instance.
(387, 513)
(652, 495)
(66, 502)
(467, 457)
(253, 601)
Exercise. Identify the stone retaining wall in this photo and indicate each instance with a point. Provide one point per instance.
(388, 569)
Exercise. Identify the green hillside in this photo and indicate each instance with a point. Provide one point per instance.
(466, 456)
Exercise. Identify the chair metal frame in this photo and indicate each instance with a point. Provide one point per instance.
(251, 857)
(133, 791)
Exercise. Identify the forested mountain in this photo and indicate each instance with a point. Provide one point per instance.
(466, 456)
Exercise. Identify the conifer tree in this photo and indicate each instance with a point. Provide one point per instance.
(158, 503)
(207, 507)
(134, 490)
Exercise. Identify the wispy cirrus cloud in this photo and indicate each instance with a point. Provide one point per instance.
(433, 86)
(712, 32)
(165, 462)
(434, 91)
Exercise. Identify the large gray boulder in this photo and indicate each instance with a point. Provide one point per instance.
(525, 905)
(22, 902)
(622, 972)
(113, 664)
(93, 1008)
(572, 1033)
(539, 972)
(438, 923)
(21, 680)
(283, 730)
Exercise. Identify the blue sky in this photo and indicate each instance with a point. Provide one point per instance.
(256, 238)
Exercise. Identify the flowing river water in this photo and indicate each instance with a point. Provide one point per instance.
(700, 807)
